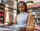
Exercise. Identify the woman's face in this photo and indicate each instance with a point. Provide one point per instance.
(21, 7)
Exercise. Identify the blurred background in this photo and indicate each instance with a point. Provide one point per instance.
(8, 11)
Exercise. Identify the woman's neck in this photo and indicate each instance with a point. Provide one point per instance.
(21, 12)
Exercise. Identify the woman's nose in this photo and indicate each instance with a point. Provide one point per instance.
(20, 8)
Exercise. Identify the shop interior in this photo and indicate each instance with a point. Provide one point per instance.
(8, 12)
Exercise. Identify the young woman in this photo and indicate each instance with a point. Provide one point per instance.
(23, 20)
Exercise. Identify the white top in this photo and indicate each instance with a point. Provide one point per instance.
(22, 19)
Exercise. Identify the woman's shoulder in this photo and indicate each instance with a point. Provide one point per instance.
(26, 13)
(29, 13)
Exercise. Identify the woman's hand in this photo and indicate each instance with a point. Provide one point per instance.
(10, 23)
(28, 28)
(23, 28)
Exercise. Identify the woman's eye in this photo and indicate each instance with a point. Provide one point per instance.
(21, 7)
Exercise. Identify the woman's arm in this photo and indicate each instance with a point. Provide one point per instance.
(13, 22)
(30, 23)
(10, 19)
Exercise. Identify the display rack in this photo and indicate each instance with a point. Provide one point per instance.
(4, 27)
(35, 10)
(36, 14)
(37, 25)
(1, 13)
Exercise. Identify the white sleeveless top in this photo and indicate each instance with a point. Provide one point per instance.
(22, 19)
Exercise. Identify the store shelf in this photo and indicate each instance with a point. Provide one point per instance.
(1, 13)
(37, 27)
(1, 21)
(4, 29)
(2, 8)
(1, 17)
(3, 25)
(36, 14)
